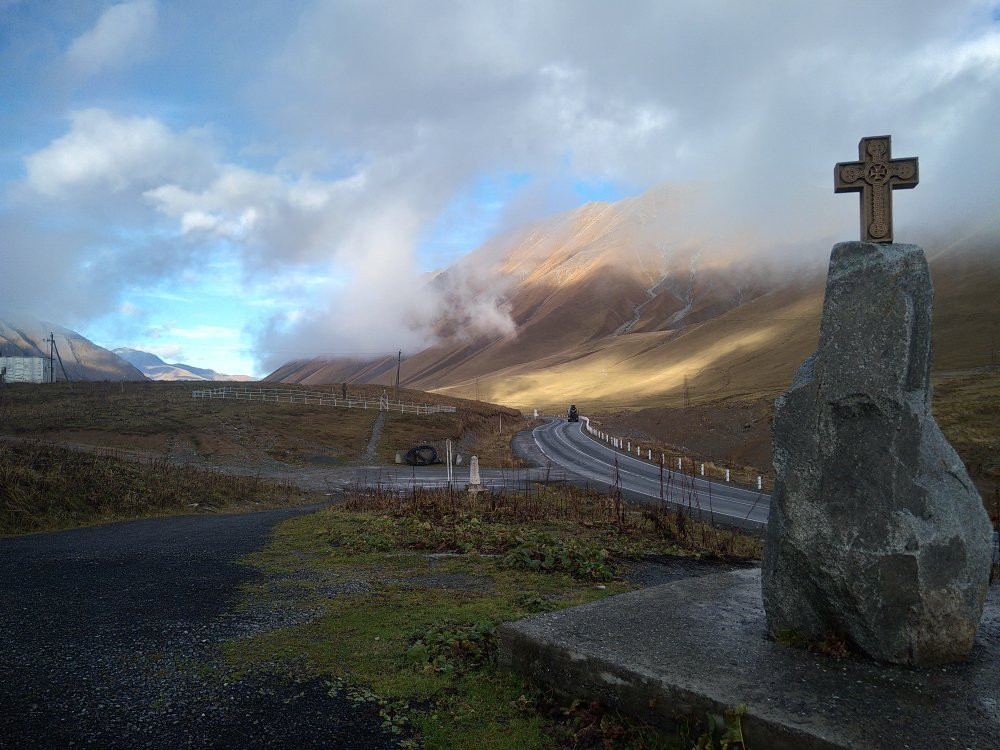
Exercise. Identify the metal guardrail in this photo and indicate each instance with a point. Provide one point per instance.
(285, 396)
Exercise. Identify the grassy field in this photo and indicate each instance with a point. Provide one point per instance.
(162, 419)
(44, 488)
(407, 590)
(967, 407)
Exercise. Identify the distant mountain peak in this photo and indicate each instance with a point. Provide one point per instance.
(156, 369)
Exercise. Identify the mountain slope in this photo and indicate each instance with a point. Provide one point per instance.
(600, 270)
(82, 358)
(156, 369)
(607, 308)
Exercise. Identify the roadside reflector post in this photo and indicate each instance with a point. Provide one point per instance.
(703, 469)
(727, 475)
(760, 482)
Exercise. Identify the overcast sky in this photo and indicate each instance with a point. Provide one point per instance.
(238, 183)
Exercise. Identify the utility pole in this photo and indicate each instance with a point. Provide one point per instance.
(52, 368)
(399, 363)
(687, 393)
(61, 365)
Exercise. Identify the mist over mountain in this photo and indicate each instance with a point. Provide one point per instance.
(156, 369)
(623, 302)
(21, 336)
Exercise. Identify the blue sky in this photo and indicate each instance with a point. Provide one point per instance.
(235, 184)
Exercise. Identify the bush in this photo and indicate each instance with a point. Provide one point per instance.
(446, 648)
(546, 553)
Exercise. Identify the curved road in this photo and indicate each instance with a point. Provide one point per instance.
(569, 446)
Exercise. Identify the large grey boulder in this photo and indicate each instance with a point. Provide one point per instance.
(876, 533)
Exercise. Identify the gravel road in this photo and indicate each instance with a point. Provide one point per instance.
(110, 638)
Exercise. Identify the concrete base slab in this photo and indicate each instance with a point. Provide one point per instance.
(698, 645)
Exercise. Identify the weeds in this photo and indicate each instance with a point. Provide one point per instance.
(547, 524)
(546, 553)
(45, 487)
(445, 648)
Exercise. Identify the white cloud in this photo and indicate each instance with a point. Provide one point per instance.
(113, 153)
(348, 135)
(122, 35)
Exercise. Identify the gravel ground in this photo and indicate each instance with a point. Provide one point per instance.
(111, 638)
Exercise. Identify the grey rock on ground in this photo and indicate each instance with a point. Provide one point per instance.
(876, 532)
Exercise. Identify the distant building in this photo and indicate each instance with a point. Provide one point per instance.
(25, 369)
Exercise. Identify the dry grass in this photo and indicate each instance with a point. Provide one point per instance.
(43, 488)
(162, 419)
(155, 416)
(486, 432)
(497, 522)
(968, 410)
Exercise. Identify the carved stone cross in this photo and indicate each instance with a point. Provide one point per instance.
(875, 177)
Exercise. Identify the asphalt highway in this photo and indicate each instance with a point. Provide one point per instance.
(569, 446)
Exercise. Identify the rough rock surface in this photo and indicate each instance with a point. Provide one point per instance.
(876, 532)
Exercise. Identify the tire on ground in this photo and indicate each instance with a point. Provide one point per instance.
(421, 455)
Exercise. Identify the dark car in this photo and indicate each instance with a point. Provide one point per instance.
(574, 415)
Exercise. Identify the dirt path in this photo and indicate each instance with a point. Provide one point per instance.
(112, 638)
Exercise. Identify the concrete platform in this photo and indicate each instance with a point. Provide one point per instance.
(699, 645)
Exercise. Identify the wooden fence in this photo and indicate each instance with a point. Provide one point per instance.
(287, 396)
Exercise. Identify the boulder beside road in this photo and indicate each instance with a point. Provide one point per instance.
(876, 534)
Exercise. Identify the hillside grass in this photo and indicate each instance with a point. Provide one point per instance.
(406, 591)
(162, 419)
(967, 407)
(45, 488)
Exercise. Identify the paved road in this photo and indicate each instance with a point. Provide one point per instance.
(563, 451)
(569, 446)
(110, 638)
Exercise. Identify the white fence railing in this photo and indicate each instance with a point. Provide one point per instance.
(666, 461)
(286, 396)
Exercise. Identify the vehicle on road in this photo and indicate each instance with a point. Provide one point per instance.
(574, 415)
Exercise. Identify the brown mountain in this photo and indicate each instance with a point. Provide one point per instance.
(82, 358)
(606, 309)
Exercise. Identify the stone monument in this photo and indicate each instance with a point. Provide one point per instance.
(876, 534)
(475, 482)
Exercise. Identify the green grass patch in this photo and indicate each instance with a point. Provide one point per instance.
(411, 588)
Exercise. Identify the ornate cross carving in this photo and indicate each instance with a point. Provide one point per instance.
(875, 177)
